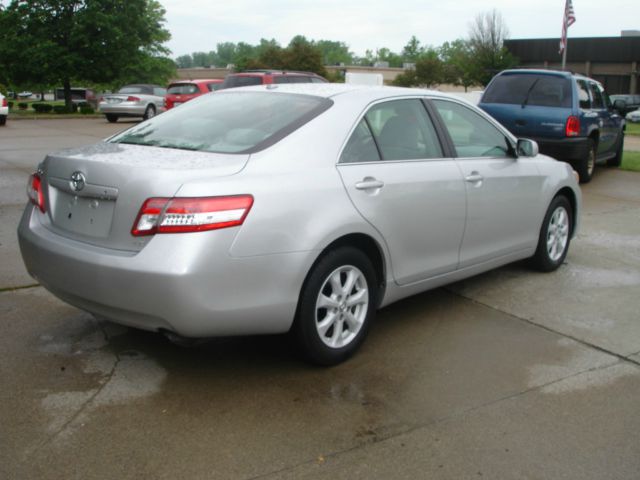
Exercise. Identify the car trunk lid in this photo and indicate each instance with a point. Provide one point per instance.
(93, 194)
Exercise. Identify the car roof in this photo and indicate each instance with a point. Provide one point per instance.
(259, 73)
(333, 90)
(560, 73)
(197, 80)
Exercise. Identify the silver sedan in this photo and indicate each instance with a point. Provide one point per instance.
(292, 208)
(145, 101)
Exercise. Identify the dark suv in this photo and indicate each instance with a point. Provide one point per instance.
(263, 77)
(632, 102)
(570, 116)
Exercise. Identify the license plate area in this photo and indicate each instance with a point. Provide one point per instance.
(82, 215)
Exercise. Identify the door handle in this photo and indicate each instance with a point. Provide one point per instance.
(475, 177)
(369, 184)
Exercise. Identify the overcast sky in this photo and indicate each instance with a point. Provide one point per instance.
(198, 25)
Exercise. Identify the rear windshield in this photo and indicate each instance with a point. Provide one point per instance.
(134, 89)
(228, 122)
(182, 89)
(529, 89)
(240, 81)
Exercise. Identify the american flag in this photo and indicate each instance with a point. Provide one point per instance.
(568, 20)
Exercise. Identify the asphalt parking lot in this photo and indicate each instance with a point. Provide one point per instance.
(511, 374)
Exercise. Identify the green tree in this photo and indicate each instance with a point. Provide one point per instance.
(458, 63)
(301, 54)
(334, 53)
(184, 61)
(52, 42)
(412, 50)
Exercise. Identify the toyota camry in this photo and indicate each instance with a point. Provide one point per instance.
(291, 208)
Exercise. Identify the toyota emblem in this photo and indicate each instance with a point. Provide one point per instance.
(77, 181)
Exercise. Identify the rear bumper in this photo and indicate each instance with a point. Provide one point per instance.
(124, 110)
(4, 111)
(184, 283)
(568, 149)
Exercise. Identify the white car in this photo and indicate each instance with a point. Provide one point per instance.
(634, 116)
(4, 109)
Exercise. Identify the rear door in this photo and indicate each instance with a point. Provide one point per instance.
(399, 179)
(608, 119)
(503, 192)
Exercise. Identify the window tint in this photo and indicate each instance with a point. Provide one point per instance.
(299, 79)
(240, 81)
(583, 95)
(361, 146)
(214, 86)
(403, 130)
(182, 89)
(227, 122)
(598, 101)
(280, 79)
(135, 89)
(532, 89)
(472, 135)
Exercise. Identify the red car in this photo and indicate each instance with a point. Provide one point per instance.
(180, 92)
(263, 77)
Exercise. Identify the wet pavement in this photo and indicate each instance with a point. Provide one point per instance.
(511, 374)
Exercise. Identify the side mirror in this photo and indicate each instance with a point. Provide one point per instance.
(620, 106)
(527, 148)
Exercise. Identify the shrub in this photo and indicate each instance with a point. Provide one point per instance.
(86, 110)
(61, 109)
(10, 104)
(23, 105)
(42, 107)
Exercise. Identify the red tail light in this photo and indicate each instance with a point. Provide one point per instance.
(573, 127)
(191, 214)
(132, 99)
(34, 191)
(4, 102)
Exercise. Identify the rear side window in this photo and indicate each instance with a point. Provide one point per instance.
(530, 89)
(280, 79)
(299, 79)
(583, 95)
(361, 147)
(598, 100)
(240, 81)
(182, 89)
(227, 122)
(214, 86)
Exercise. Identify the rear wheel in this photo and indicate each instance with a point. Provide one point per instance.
(555, 235)
(150, 112)
(111, 118)
(337, 305)
(3, 119)
(587, 165)
(617, 160)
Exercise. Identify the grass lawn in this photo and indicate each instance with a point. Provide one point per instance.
(633, 128)
(631, 161)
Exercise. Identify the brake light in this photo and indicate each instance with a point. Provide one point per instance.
(4, 102)
(34, 191)
(573, 127)
(191, 214)
(132, 99)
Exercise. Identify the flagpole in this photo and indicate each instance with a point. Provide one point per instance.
(564, 53)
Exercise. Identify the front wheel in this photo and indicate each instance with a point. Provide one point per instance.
(555, 235)
(587, 165)
(337, 305)
(149, 112)
(617, 160)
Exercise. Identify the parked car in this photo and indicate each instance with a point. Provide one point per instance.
(4, 109)
(144, 101)
(295, 208)
(78, 95)
(181, 92)
(570, 116)
(633, 116)
(632, 102)
(266, 77)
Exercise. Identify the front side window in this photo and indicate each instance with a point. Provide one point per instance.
(227, 122)
(472, 134)
(403, 130)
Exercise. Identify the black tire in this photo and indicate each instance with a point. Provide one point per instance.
(149, 112)
(587, 165)
(310, 316)
(617, 160)
(3, 120)
(544, 260)
(111, 118)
